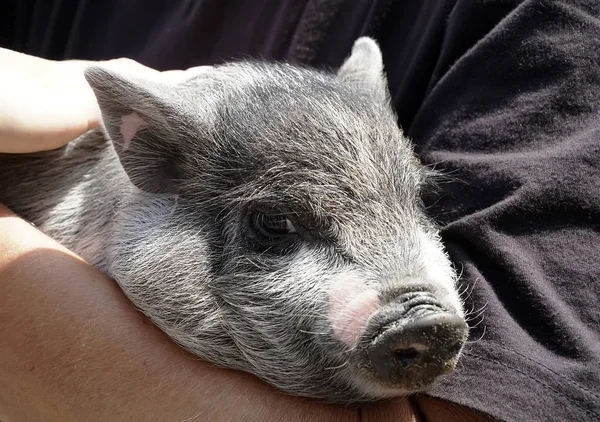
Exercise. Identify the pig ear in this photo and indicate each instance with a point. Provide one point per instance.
(138, 116)
(364, 69)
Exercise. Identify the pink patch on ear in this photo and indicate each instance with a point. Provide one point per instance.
(130, 124)
(351, 305)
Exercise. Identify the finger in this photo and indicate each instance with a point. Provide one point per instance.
(134, 68)
(131, 67)
(180, 76)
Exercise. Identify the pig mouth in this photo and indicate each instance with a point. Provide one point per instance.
(410, 342)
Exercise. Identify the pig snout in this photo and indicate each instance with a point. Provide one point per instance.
(411, 341)
(404, 343)
(417, 351)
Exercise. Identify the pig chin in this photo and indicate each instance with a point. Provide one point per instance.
(399, 343)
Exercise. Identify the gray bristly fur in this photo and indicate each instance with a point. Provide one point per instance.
(165, 214)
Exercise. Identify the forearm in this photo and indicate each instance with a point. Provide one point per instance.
(73, 348)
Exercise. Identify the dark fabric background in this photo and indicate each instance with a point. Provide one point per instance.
(503, 95)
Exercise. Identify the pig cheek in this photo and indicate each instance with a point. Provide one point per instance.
(130, 124)
(351, 304)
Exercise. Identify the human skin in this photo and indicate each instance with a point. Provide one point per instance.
(72, 346)
(46, 104)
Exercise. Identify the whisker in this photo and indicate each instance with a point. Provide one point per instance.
(480, 337)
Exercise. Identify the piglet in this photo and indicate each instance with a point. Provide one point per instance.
(267, 217)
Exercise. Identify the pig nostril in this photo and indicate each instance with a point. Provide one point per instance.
(406, 357)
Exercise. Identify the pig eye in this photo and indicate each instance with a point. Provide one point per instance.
(271, 226)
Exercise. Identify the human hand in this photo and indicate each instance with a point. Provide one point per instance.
(45, 104)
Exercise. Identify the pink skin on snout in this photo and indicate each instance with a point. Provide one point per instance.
(351, 304)
(130, 124)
